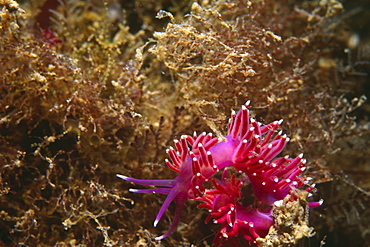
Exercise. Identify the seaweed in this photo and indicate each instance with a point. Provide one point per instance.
(94, 88)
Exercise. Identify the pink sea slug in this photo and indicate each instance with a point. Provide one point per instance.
(252, 149)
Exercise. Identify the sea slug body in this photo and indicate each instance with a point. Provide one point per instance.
(252, 149)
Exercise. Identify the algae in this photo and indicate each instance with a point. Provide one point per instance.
(94, 88)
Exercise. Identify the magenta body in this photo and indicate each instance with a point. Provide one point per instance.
(252, 149)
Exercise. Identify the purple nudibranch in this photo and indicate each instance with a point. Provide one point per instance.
(252, 149)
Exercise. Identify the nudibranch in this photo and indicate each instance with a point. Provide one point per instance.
(252, 149)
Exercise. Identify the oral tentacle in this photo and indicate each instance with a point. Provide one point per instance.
(165, 182)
